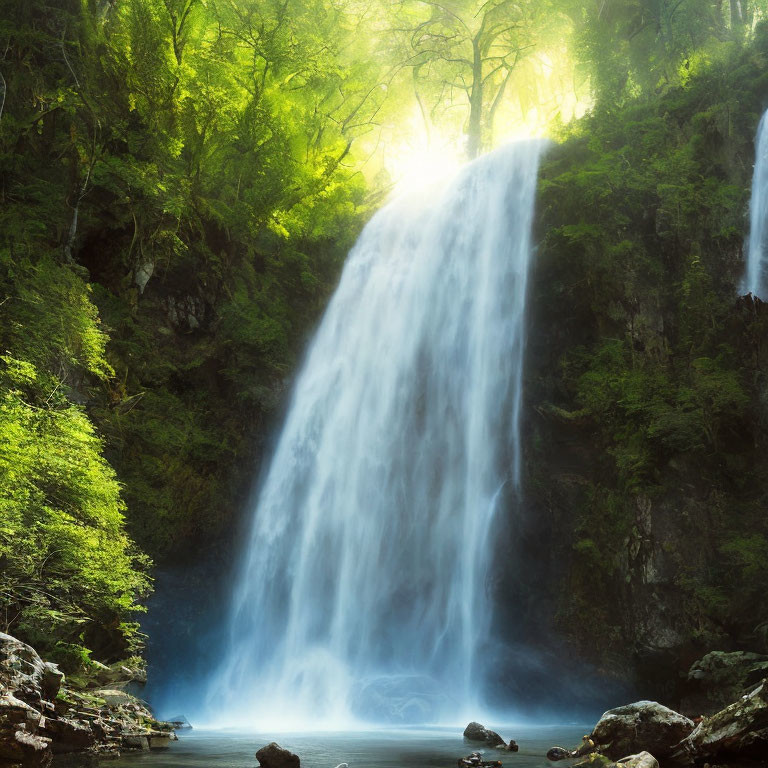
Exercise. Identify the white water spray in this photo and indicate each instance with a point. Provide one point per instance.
(756, 279)
(364, 590)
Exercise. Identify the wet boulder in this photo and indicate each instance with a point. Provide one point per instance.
(136, 741)
(20, 739)
(475, 760)
(644, 725)
(739, 731)
(474, 732)
(160, 740)
(720, 678)
(22, 676)
(641, 760)
(477, 732)
(595, 760)
(274, 756)
(25, 674)
(492, 739)
(68, 735)
(587, 747)
(559, 753)
(51, 680)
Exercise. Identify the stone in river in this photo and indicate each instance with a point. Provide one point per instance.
(644, 725)
(274, 756)
(559, 753)
(477, 732)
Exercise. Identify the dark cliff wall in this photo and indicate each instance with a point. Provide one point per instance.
(646, 386)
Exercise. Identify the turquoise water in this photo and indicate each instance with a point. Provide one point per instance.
(386, 748)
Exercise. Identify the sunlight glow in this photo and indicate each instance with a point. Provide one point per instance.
(416, 161)
(415, 167)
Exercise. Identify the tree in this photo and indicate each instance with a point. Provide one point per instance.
(466, 51)
(636, 47)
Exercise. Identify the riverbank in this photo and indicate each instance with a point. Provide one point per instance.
(44, 721)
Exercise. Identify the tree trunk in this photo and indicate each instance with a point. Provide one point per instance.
(422, 109)
(495, 105)
(475, 129)
(70, 241)
(737, 18)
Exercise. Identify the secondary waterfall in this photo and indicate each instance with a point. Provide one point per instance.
(756, 277)
(364, 592)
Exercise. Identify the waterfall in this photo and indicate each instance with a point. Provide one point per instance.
(755, 279)
(364, 590)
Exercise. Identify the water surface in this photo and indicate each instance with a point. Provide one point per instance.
(388, 748)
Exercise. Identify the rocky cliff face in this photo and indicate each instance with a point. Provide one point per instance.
(42, 722)
(646, 382)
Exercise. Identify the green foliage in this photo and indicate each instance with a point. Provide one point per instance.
(637, 48)
(198, 163)
(70, 573)
(51, 319)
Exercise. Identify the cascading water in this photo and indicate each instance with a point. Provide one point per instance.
(363, 593)
(756, 279)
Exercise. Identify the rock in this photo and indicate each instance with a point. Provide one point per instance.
(185, 313)
(720, 678)
(640, 760)
(738, 731)
(595, 760)
(136, 741)
(43, 720)
(274, 756)
(492, 739)
(512, 746)
(587, 747)
(161, 740)
(475, 760)
(20, 740)
(142, 274)
(51, 680)
(116, 697)
(115, 676)
(476, 732)
(24, 673)
(635, 727)
(68, 735)
(559, 753)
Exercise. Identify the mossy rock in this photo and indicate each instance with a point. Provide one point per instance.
(595, 760)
